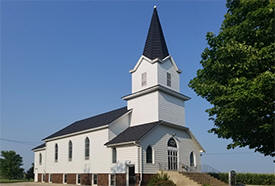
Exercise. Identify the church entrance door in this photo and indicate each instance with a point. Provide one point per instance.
(132, 176)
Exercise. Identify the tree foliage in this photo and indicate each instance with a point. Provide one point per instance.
(10, 165)
(238, 77)
(29, 173)
(161, 179)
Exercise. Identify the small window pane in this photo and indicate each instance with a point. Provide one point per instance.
(172, 143)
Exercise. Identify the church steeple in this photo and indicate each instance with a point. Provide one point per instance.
(155, 46)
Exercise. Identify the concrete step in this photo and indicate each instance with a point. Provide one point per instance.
(203, 178)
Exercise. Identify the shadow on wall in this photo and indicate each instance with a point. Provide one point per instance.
(119, 167)
(87, 168)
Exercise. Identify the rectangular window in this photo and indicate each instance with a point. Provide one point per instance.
(112, 180)
(95, 179)
(143, 79)
(168, 79)
(114, 155)
(78, 179)
(65, 178)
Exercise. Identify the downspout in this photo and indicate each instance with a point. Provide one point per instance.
(140, 165)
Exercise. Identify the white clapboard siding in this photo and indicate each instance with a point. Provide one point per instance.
(171, 109)
(158, 139)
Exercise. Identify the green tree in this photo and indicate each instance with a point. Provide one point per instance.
(238, 77)
(29, 173)
(10, 165)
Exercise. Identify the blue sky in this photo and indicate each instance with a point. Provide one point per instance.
(63, 61)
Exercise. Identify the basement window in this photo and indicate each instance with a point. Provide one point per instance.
(65, 178)
(112, 180)
(78, 179)
(51, 178)
(95, 179)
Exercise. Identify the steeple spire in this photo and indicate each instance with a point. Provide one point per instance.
(155, 46)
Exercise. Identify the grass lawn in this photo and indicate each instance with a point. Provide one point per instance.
(4, 180)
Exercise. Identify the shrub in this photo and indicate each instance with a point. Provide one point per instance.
(160, 180)
(248, 178)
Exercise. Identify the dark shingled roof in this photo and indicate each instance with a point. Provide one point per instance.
(155, 46)
(40, 146)
(92, 122)
(133, 133)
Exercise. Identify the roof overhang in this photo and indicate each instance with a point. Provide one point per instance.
(152, 61)
(40, 149)
(123, 144)
(157, 88)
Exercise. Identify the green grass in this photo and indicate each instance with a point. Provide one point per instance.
(4, 180)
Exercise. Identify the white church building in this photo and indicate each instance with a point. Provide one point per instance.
(126, 146)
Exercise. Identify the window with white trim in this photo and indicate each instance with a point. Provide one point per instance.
(143, 79)
(172, 153)
(70, 149)
(169, 79)
(40, 159)
(114, 155)
(192, 159)
(78, 179)
(149, 154)
(87, 148)
(56, 153)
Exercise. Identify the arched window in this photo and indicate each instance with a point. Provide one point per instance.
(172, 143)
(70, 150)
(56, 152)
(149, 154)
(40, 158)
(192, 160)
(114, 155)
(172, 154)
(87, 148)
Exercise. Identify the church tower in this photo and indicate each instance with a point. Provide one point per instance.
(156, 82)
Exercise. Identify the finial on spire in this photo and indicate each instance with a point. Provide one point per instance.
(155, 6)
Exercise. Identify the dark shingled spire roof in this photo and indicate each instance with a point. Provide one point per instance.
(155, 46)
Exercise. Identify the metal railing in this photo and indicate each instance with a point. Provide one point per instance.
(181, 167)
